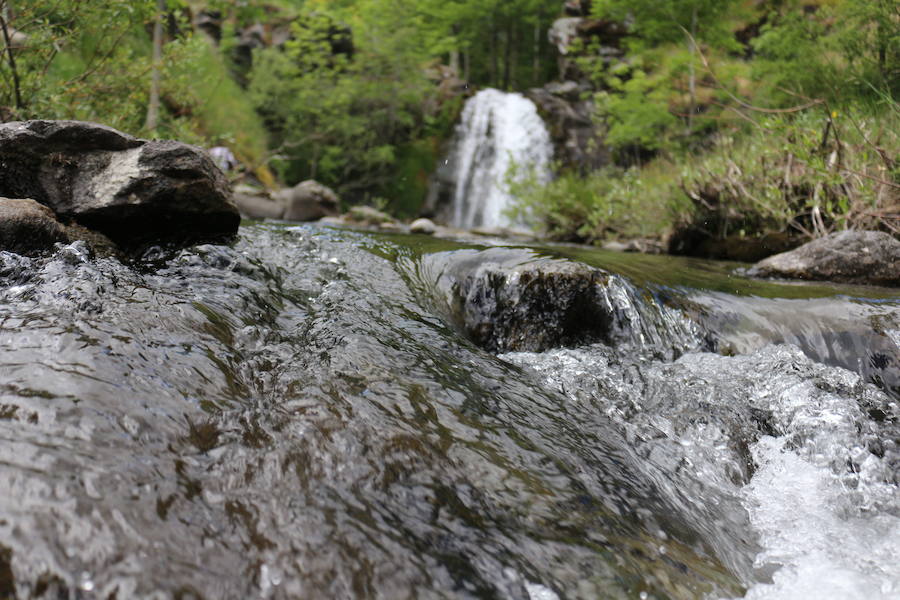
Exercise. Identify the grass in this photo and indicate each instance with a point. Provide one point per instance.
(806, 174)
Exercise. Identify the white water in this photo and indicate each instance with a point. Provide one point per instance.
(822, 503)
(497, 130)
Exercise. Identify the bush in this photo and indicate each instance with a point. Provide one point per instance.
(610, 203)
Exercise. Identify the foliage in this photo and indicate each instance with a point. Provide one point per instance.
(91, 61)
(812, 174)
(336, 119)
(661, 21)
(606, 203)
(75, 59)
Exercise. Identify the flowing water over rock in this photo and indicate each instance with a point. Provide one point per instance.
(303, 414)
(497, 130)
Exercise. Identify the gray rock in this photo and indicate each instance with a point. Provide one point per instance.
(860, 257)
(28, 228)
(506, 301)
(577, 139)
(308, 201)
(563, 32)
(369, 216)
(254, 203)
(425, 226)
(132, 190)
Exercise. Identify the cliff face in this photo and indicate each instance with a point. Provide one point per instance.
(567, 104)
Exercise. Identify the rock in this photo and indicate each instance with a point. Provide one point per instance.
(425, 226)
(615, 246)
(134, 191)
(28, 228)
(335, 221)
(577, 139)
(860, 257)
(308, 201)
(507, 301)
(690, 240)
(564, 32)
(209, 22)
(366, 215)
(254, 203)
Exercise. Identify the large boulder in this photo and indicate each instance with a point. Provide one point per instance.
(28, 228)
(308, 201)
(860, 257)
(132, 190)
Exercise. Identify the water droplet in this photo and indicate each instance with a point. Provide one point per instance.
(85, 582)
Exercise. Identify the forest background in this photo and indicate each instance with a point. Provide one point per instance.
(722, 118)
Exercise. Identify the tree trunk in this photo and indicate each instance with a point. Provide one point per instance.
(507, 55)
(454, 54)
(494, 49)
(536, 57)
(4, 17)
(153, 104)
(692, 78)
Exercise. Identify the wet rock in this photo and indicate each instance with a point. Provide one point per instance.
(368, 216)
(860, 257)
(308, 201)
(28, 228)
(425, 226)
(505, 304)
(254, 203)
(132, 190)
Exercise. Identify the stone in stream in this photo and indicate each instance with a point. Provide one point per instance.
(28, 228)
(424, 226)
(254, 203)
(134, 191)
(507, 304)
(859, 257)
(308, 201)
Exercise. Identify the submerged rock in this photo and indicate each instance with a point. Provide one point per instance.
(28, 228)
(861, 257)
(131, 190)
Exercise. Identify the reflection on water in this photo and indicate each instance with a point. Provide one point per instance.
(296, 416)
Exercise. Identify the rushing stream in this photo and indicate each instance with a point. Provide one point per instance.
(299, 415)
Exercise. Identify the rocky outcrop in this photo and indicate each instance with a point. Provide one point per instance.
(577, 139)
(578, 35)
(28, 228)
(134, 191)
(859, 257)
(308, 201)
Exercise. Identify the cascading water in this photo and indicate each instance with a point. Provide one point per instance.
(298, 415)
(497, 130)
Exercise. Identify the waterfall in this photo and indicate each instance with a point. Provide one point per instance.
(497, 130)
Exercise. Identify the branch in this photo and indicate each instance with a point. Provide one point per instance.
(771, 111)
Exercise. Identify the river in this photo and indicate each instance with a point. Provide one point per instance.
(299, 415)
